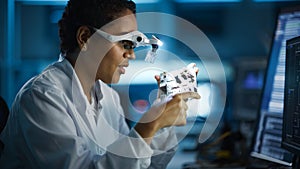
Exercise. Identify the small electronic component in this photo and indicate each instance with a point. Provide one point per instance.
(179, 81)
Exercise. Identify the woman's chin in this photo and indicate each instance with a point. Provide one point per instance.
(115, 79)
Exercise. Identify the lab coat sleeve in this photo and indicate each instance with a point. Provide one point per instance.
(49, 132)
(52, 140)
(164, 145)
(135, 146)
(130, 151)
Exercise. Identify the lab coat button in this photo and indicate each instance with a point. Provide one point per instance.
(101, 151)
(81, 149)
(145, 164)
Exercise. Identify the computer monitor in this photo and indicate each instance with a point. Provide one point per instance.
(291, 113)
(268, 137)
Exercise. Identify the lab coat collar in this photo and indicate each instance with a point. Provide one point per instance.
(77, 94)
(79, 99)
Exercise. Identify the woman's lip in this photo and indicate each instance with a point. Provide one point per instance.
(122, 69)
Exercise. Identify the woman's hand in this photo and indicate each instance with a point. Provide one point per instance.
(163, 114)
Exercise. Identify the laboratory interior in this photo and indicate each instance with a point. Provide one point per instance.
(243, 49)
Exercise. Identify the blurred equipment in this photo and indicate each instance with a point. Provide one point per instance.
(248, 86)
(224, 150)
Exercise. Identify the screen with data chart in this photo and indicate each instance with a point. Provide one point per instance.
(268, 137)
(291, 114)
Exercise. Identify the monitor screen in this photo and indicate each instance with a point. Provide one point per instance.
(268, 138)
(291, 113)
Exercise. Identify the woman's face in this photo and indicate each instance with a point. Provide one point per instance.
(115, 61)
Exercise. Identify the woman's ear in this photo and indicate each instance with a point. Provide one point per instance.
(83, 33)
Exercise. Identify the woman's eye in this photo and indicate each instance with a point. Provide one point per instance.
(127, 45)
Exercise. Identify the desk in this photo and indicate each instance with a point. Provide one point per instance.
(256, 164)
(187, 159)
(181, 157)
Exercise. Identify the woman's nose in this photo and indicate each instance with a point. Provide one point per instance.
(129, 54)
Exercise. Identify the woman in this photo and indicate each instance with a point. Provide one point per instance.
(68, 117)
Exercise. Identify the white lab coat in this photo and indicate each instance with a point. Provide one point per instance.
(52, 125)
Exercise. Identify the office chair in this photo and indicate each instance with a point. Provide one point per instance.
(4, 112)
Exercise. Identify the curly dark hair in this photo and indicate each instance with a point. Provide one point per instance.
(95, 13)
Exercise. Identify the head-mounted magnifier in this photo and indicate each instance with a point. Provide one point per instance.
(138, 39)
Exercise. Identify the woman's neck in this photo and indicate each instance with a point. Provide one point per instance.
(86, 80)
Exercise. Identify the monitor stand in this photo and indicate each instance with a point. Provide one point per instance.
(296, 162)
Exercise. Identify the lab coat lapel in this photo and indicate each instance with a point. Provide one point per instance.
(106, 131)
(78, 99)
